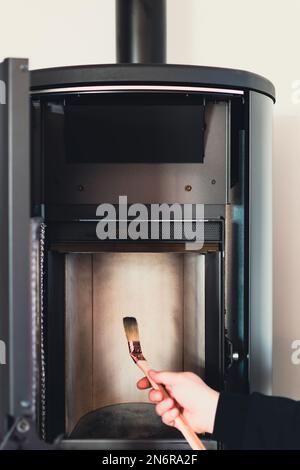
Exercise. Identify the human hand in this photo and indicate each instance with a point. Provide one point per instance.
(189, 395)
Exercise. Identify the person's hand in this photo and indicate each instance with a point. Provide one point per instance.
(189, 395)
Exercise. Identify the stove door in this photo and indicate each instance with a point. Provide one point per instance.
(16, 385)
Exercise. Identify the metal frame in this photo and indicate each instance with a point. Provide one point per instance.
(15, 239)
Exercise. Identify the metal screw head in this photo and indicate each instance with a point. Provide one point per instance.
(188, 188)
(80, 187)
(23, 426)
(213, 181)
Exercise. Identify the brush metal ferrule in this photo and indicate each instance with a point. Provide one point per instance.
(135, 351)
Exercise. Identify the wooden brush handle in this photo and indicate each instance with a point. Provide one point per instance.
(180, 422)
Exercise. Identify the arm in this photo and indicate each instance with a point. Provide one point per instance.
(257, 422)
(239, 421)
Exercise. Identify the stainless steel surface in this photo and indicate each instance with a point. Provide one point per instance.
(194, 314)
(114, 88)
(261, 109)
(165, 291)
(147, 183)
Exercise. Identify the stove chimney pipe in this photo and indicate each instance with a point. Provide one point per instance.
(141, 31)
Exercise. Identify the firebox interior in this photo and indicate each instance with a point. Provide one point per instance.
(90, 379)
(165, 291)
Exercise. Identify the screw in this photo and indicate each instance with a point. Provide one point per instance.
(23, 426)
(188, 188)
(213, 181)
(80, 187)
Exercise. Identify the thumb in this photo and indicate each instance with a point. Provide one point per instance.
(165, 378)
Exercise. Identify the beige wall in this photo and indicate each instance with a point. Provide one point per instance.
(261, 36)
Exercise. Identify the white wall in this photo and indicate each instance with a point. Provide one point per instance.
(258, 35)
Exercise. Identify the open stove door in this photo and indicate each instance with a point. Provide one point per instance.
(16, 320)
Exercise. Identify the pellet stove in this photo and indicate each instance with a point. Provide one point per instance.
(72, 138)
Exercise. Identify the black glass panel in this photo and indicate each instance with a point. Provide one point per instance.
(135, 128)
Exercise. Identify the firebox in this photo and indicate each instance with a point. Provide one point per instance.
(75, 138)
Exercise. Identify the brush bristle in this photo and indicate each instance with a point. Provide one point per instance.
(131, 329)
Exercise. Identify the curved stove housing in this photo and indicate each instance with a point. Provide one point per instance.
(158, 134)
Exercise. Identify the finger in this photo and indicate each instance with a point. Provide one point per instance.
(166, 378)
(143, 383)
(164, 406)
(155, 396)
(169, 416)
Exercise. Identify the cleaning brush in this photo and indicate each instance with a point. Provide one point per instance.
(135, 351)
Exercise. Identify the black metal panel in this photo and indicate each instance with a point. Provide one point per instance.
(86, 232)
(237, 252)
(214, 321)
(122, 74)
(37, 160)
(16, 321)
(141, 31)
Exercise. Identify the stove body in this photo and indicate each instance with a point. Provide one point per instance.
(74, 138)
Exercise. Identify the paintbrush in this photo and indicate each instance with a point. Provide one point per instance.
(135, 351)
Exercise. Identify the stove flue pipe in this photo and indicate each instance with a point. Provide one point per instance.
(141, 31)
